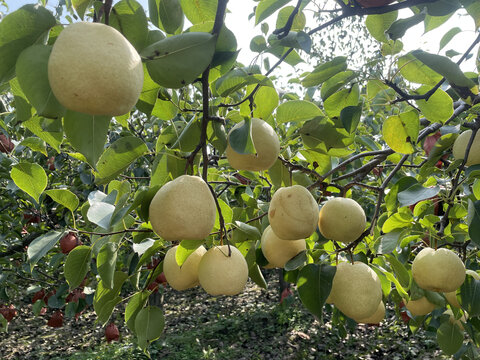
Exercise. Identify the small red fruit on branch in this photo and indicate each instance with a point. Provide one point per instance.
(6, 145)
(39, 295)
(285, 294)
(111, 332)
(51, 163)
(56, 320)
(69, 242)
(31, 218)
(161, 279)
(8, 312)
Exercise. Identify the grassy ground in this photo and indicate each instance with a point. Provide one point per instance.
(250, 326)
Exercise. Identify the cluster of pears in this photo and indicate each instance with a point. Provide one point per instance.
(93, 69)
(184, 209)
(439, 271)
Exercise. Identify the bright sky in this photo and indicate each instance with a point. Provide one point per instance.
(244, 30)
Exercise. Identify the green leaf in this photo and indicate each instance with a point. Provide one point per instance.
(77, 265)
(249, 230)
(266, 8)
(170, 15)
(105, 299)
(87, 134)
(325, 71)
(401, 131)
(199, 11)
(473, 9)
(129, 18)
(314, 283)
(336, 82)
(297, 261)
(416, 193)
(117, 157)
(474, 226)
(446, 67)
(238, 78)
(80, 6)
(470, 296)
(398, 29)
(185, 249)
(240, 138)
(297, 111)
(432, 22)
(323, 135)
(19, 30)
(32, 75)
(442, 7)
(36, 144)
(49, 130)
(189, 137)
(106, 262)
(100, 213)
(350, 117)
(415, 71)
(30, 178)
(64, 197)
(449, 36)
(265, 101)
(378, 24)
(24, 110)
(344, 98)
(449, 338)
(438, 108)
(400, 271)
(39, 247)
(388, 242)
(149, 325)
(136, 303)
(178, 60)
(284, 14)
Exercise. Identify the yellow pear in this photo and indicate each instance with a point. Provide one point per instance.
(266, 144)
(221, 274)
(341, 219)
(185, 276)
(420, 307)
(377, 316)
(293, 213)
(460, 146)
(452, 296)
(93, 69)
(438, 270)
(356, 290)
(183, 209)
(278, 251)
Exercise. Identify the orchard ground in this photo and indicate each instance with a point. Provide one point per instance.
(252, 325)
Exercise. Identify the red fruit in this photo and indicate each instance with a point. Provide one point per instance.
(43, 311)
(6, 145)
(39, 295)
(50, 163)
(161, 279)
(75, 295)
(152, 264)
(242, 179)
(111, 332)
(8, 312)
(430, 142)
(31, 218)
(377, 170)
(374, 3)
(153, 286)
(405, 317)
(69, 242)
(56, 320)
(285, 294)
